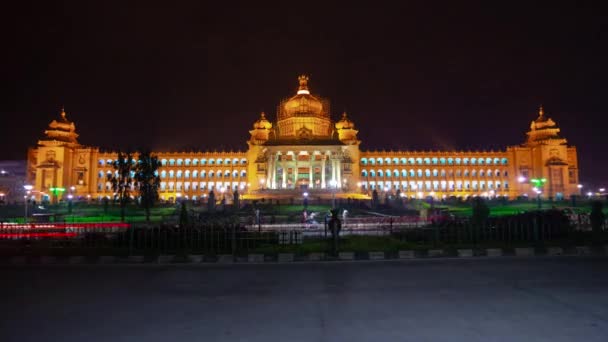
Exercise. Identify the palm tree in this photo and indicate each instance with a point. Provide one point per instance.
(121, 180)
(148, 181)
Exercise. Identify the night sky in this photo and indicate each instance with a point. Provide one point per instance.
(418, 76)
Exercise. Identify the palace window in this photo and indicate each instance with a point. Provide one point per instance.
(101, 162)
(171, 162)
(403, 161)
(427, 161)
(411, 161)
(457, 161)
(194, 162)
(379, 160)
(434, 161)
(387, 161)
(187, 162)
(179, 173)
(364, 173)
(187, 174)
(195, 173)
(403, 173)
(364, 161)
(372, 173)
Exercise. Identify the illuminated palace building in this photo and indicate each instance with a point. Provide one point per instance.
(303, 150)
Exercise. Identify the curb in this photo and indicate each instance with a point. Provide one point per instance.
(519, 252)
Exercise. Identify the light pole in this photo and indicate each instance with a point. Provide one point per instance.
(27, 188)
(538, 188)
(333, 184)
(580, 189)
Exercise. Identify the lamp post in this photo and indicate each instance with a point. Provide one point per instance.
(27, 188)
(538, 186)
(333, 184)
(580, 189)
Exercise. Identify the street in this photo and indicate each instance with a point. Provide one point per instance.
(502, 299)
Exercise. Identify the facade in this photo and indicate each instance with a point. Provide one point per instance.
(304, 151)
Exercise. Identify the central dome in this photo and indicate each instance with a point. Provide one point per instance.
(304, 115)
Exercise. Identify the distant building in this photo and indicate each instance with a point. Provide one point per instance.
(302, 149)
(12, 180)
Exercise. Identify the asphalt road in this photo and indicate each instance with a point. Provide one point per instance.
(531, 299)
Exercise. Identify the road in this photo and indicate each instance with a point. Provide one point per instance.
(505, 299)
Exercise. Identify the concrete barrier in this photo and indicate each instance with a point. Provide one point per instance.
(524, 252)
(285, 257)
(255, 258)
(407, 254)
(48, 260)
(106, 259)
(555, 251)
(376, 255)
(195, 258)
(165, 259)
(346, 256)
(77, 260)
(225, 258)
(135, 259)
(316, 256)
(583, 250)
(434, 253)
(494, 252)
(465, 253)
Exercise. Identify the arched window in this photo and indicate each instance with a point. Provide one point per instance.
(243, 161)
(163, 162)
(211, 161)
(372, 161)
(474, 173)
(412, 173)
(442, 173)
(411, 161)
(219, 161)
(488, 161)
(243, 173)
(403, 161)
(481, 173)
(387, 161)
(473, 161)
(465, 161)
(171, 173)
(458, 173)
(496, 161)
(203, 174)
(504, 161)
(427, 173)
(466, 173)
(194, 162)
(396, 173)
(457, 160)
(506, 173)
(203, 161)
(480, 161)
(434, 160)
(187, 162)
(235, 174)
(419, 173)
(387, 174)
(179, 173)
(102, 162)
(364, 161)
(489, 173)
(450, 161)
(380, 173)
(211, 174)
(379, 161)
(419, 161)
(403, 173)
(171, 162)
(163, 174)
(194, 173)
(100, 174)
(364, 173)
(218, 174)
(235, 161)
(109, 161)
(395, 161)
(187, 174)
(442, 161)
(435, 173)
(372, 173)
(227, 161)
(427, 161)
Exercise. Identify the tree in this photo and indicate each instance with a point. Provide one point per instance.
(122, 181)
(374, 199)
(481, 212)
(148, 181)
(211, 202)
(597, 216)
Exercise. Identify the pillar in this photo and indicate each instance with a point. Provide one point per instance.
(310, 171)
(295, 171)
(283, 162)
(333, 171)
(323, 172)
(338, 174)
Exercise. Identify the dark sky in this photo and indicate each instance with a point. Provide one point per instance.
(417, 76)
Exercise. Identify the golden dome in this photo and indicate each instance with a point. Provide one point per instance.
(345, 123)
(303, 103)
(262, 122)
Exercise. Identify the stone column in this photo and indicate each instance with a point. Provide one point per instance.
(333, 172)
(283, 162)
(295, 171)
(338, 174)
(323, 172)
(274, 171)
(310, 171)
(268, 171)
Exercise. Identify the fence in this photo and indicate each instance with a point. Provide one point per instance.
(121, 239)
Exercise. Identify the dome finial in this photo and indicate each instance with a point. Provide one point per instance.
(63, 113)
(303, 89)
(541, 112)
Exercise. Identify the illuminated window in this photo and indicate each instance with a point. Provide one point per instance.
(419, 161)
(496, 161)
(219, 162)
(380, 173)
(473, 161)
(465, 161)
(387, 161)
(187, 174)
(403, 161)
(419, 173)
(434, 160)
(442, 174)
(396, 173)
(427, 173)
(379, 160)
(195, 173)
(504, 161)
(412, 173)
(195, 162)
(171, 162)
(227, 161)
(179, 173)
(435, 173)
(101, 162)
(442, 161)
(203, 161)
(427, 161)
(187, 162)
(404, 173)
(488, 161)
(364, 161)
(211, 162)
(372, 173)
(372, 161)
(171, 173)
(457, 160)
(243, 161)
(364, 173)
(243, 173)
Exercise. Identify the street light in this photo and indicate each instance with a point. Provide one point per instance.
(538, 186)
(521, 179)
(27, 188)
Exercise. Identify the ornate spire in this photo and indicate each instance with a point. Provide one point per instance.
(63, 113)
(541, 112)
(303, 89)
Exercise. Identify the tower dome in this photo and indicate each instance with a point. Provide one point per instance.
(304, 115)
(262, 122)
(344, 123)
(62, 131)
